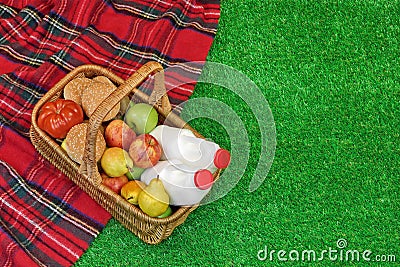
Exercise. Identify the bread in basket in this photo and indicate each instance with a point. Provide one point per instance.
(86, 176)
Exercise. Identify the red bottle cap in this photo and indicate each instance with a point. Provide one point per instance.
(203, 179)
(222, 158)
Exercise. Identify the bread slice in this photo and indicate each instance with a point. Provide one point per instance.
(74, 89)
(96, 93)
(74, 143)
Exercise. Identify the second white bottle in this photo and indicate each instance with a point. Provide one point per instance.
(185, 185)
(183, 145)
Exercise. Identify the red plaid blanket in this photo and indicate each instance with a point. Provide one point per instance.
(44, 218)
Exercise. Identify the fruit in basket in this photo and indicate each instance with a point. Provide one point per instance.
(64, 144)
(57, 117)
(94, 95)
(131, 190)
(114, 183)
(115, 162)
(124, 104)
(134, 173)
(118, 134)
(74, 143)
(154, 200)
(145, 151)
(167, 213)
(142, 118)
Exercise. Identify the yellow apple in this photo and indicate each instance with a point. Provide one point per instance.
(131, 190)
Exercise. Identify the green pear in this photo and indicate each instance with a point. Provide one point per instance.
(124, 104)
(167, 213)
(134, 173)
(154, 200)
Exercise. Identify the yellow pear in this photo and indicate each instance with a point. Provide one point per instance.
(154, 200)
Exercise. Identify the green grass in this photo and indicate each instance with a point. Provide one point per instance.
(330, 72)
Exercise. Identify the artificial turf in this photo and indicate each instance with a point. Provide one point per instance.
(330, 73)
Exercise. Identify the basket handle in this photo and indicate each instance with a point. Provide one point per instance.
(158, 99)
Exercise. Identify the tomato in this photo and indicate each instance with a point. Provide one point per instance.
(58, 117)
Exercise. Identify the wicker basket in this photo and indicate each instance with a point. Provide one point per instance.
(150, 230)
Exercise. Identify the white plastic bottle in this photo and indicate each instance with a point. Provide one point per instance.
(169, 135)
(152, 172)
(183, 145)
(185, 185)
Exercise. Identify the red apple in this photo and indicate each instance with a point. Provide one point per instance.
(145, 151)
(114, 183)
(118, 134)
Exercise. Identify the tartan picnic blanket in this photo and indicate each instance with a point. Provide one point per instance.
(45, 219)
